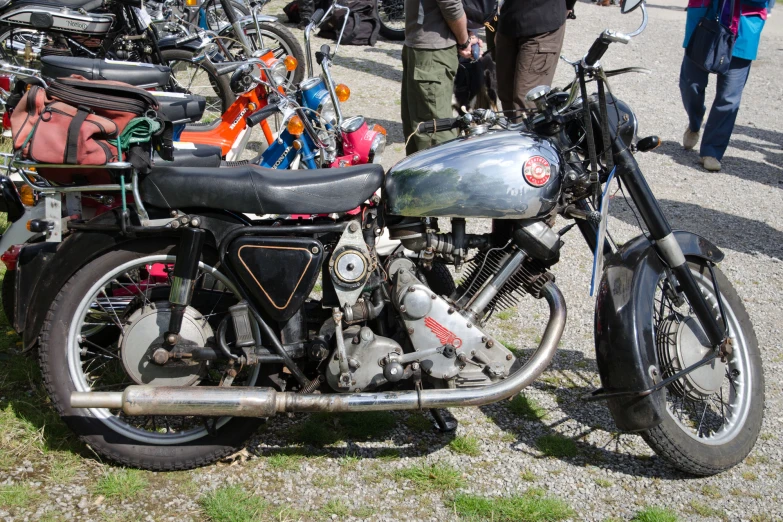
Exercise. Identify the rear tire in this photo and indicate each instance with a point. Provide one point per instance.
(9, 296)
(92, 429)
(710, 451)
(391, 14)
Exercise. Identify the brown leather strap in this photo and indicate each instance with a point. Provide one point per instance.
(72, 142)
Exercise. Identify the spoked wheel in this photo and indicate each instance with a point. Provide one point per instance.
(392, 16)
(713, 414)
(216, 17)
(275, 37)
(100, 334)
(199, 78)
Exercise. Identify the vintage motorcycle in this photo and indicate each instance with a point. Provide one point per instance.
(217, 327)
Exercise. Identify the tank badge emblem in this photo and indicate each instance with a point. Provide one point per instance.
(444, 335)
(537, 171)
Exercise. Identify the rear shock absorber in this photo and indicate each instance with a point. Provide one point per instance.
(185, 271)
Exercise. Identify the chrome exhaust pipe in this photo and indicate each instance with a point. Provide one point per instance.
(265, 402)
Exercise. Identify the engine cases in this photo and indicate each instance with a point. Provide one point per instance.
(59, 19)
(280, 272)
(499, 175)
(456, 348)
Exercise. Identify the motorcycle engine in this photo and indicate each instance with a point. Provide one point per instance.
(449, 346)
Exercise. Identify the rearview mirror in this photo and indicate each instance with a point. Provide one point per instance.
(626, 6)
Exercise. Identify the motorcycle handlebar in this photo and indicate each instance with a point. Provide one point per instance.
(597, 50)
(442, 124)
(260, 115)
(229, 68)
(317, 16)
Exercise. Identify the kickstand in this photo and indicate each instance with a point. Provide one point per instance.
(444, 425)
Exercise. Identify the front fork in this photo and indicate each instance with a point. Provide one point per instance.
(667, 246)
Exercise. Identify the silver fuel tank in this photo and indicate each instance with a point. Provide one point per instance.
(499, 174)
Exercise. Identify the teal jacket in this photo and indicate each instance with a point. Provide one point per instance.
(748, 22)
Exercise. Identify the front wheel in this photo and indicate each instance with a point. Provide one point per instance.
(713, 415)
(99, 335)
(201, 78)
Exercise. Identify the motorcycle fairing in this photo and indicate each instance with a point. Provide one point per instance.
(624, 342)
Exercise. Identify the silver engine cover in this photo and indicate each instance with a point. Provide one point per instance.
(366, 352)
(59, 19)
(451, 347)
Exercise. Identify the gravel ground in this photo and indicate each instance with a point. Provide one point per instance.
(610, 474)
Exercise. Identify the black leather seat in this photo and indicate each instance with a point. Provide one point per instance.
(259, 190)
(87, 5)
(180, 107)
(140, 75)
(191, 155)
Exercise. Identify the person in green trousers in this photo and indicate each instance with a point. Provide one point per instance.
(436, 34)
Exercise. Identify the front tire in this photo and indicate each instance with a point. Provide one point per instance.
(705, 433)
(66, 369)
(391, 14)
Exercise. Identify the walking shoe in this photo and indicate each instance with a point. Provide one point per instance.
(710, 163)
(690, 139)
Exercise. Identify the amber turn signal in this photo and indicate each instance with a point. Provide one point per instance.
(377, 128)
(295, 126)
(191, 3)
(27, 196)
(290, 63)
(343, 92)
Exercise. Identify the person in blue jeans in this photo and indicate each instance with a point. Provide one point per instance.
(747, 22)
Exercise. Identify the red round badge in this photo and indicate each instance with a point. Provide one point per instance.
(537, 171)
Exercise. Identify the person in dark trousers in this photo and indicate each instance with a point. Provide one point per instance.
(436, 34)
(527, 47)
(747, 22)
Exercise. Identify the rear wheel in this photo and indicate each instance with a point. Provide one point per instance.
(99, 334)
(392, 16)
(713, 415)
(199, 78)
(9, 296)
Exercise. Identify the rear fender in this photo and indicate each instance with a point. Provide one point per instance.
(624, 342)
(78, 249)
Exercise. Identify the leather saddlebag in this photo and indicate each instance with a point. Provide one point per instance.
(73, 121)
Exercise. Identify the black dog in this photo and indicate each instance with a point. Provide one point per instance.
(475, 86)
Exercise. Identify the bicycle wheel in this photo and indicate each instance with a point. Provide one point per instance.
(392, 16)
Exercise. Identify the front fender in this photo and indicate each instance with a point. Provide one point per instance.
(624, 342)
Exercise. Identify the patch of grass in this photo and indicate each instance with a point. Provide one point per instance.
(557, 446)
(285, 460)
(436, 476)
(704, 510)
(749, 475)
(350, 460)
(363, 512)
(63, 467)
(756, 459)
(232, 504)
(325, 481)
(465, 445)
(530, 507)
(603, 483)
(527, 408)
(505, 315)
(336, 507)
(511, 347)
(655, 514)
(322, 429)
(528, 476)
(16, 495)
(121, 483)
(388, 454)
(711, 492)
(418, 422)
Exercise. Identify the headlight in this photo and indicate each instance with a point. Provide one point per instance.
(279, 73)
(377, 148)
(326, 109)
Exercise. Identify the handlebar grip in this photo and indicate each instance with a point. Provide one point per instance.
(185, 39)
(260, 115)
(597, 51)
(317, 16)
(442, 124)
(229, 68)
